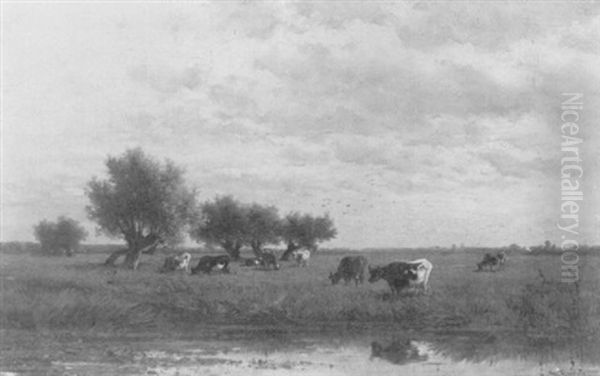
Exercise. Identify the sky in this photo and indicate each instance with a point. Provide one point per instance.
(410, 123)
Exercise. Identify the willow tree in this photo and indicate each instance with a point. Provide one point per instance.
(60, 237)
(305, 231)
(143, 201)
(223, 222)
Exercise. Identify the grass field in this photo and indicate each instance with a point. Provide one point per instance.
(45, 293)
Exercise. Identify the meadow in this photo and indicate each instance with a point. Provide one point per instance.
(78, 293)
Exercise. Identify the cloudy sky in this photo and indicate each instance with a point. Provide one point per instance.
(411, 123)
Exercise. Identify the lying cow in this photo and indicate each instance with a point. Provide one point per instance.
(253, 261)
(268, 260)
(301, 256)
(179, 262)
(489, 261)
(422, 268)
(207, 263)
(350, 268)
(398, 275)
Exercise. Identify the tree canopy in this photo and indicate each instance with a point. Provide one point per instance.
(142, 201)
(223, 222)
(305, 231)
(232, 225)
(60, 237)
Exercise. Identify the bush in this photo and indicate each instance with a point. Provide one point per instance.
(60, 237)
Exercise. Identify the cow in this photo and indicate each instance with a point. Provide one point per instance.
(423, 268)
(207, 263)
(301, 256)
(253, 261)
(350, 268)
(398, 275)
(489, 261)
(268, 260)
(179, 262)
(501, 258)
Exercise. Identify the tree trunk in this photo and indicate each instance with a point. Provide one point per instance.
(110, 261)
(132, 259)
(132, 254)
(256, 248)
(291, 247)
(233, 250)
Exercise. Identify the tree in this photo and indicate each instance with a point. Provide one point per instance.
(143, 201)
(60, 237)
(222, 222)
(263, 226)
(303, 230)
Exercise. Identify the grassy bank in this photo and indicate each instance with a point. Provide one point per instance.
(80, 293)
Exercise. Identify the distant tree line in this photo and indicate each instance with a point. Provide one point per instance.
(147, 203)
(232, 225)
(59, 238)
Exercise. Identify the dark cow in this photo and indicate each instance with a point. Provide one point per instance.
(398, 275)
(489, 261)
(350, 268)
(268, 260)
(207, 263)
(253, 261)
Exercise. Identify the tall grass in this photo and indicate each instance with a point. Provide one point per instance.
(80, 293)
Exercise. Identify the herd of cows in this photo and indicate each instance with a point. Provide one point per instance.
(399, 275)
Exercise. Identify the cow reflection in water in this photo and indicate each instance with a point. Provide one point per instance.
(399, 352)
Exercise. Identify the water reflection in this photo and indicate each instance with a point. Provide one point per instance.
(398, 352)
(502, 350)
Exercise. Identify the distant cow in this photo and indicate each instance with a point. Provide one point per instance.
(268, 260)
(422, 268)
(207, 263)
(301, 256)
(489, 261)
(253, 261)
(350, 268)
(501, 258)
(179, 262)
(398, 275)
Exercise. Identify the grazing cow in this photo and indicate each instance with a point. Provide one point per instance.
(301, 257)
(350, 268)
(423, 268)
(488, 261)
(207, 263)
(268, 260)
(398, 275)
(179, 262)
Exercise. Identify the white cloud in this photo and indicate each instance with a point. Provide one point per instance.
(411, 123)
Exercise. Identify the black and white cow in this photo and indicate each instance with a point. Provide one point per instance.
(301, 256)
(268, 260)
(207, 263)
(423, 269)
(398, 275)
(179, 262)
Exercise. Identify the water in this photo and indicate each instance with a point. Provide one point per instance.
(276, 353)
